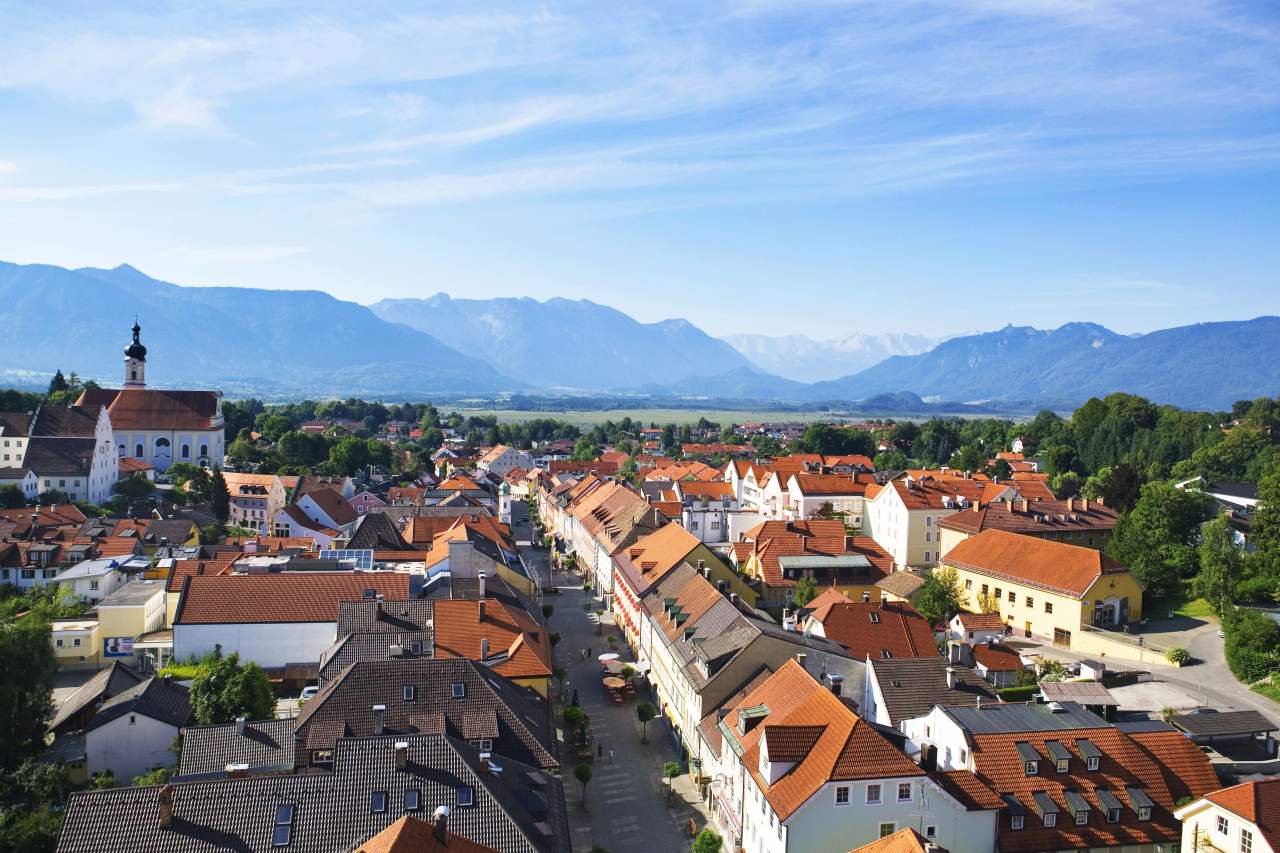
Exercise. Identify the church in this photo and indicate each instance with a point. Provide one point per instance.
(158, 426)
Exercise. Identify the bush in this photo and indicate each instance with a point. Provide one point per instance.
(1252, 643)
(1178, 656)
(1018, 694)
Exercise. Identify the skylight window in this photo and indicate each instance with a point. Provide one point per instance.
(466, 797)
(459, 690)
(412, 800)
(378, 802)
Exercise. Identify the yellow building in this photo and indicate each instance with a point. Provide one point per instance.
(125, 615)
(75, 643)
(1076, 521)
(1045, 589)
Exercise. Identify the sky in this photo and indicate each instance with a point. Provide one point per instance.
(754, 166)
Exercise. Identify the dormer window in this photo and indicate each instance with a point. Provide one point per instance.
(1082, 817)
(1144, 813)
(409, 693)
(1030, 758)
(1016, 821)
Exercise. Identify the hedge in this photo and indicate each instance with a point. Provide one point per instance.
(1018, 694)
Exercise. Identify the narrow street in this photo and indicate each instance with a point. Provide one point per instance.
(626, 808)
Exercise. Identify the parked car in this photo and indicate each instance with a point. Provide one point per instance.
(308, 692)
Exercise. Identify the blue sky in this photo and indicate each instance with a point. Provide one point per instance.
(769, 166)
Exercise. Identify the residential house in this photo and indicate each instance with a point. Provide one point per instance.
(903, 514)
(124, 616)
(158, 426)
(802, 771)
(708, 509)
(76, 710)
(1236, 501)
(94, 580)
(272, 619)
(177, 573)
(783, 552)
(475, 544)
(1077, 521)
(392, 696)
(411, 835)
(76, 643)
(501, 459)
(900, 689)
(1045, 589)
(999, 664)
(639, 566)
(22, 479)
(827, 496)
(1069, 779)
(868, 629)
(1244, 818)
(256, 499)
(15, 432)
(976, 627)
(375, 782)
(133, 731)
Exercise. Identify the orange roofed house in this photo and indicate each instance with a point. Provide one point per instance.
(783, 552)
(1043, 588)
(802, 771)
(1244, 817)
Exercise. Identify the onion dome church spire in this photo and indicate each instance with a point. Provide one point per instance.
(135, 361)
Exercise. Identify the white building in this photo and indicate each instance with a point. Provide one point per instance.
(160, 427)
(801, 773)
(902, 516)
(811, 495)
(502, 460)
(67, 448)
(94, 580)
(1243, 818)
(133, 731)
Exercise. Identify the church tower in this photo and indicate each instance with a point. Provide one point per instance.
(135, 361)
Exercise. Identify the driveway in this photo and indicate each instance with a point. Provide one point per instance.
(626, 810)
(1209, 679)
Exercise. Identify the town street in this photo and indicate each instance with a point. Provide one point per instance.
(626, 807)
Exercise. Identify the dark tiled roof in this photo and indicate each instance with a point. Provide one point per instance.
(176, 530)
(377, 646)
(104, 684)
(912, 686)
(522, 717)
(375, 530)
(370, 617)
(263, 745)
(67, 421)
(156, 698)
(60, 456)
(519, 810)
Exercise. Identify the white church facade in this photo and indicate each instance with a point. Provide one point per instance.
(158, 426)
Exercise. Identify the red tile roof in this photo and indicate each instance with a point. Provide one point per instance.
(997, 657)
(150, 408)
(187, 568)
(870, 630)
(1049, 565)
(410, 835)
(1257, 802)
(281, 597)
(459, 627)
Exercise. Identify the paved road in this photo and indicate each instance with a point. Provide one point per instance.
(626, 808)
(1209, 678)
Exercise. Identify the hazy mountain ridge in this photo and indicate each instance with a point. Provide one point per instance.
(304, 341)
(804, 359)
(565, 343)
(1206, 365)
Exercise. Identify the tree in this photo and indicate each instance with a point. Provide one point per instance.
(988, 603)
(803, 592)
(582, 773)
(941, 596)
(219, 497)
(58, 383)
(585, 450)
(670, 771)
(136, 486)
(708, 841)
(574, 717)
(242, 452)
(1220, 565)
(1253, 644)
(223, 690)
(1118, 486)
(1157, 540)
(27, 668)
(1178, 656)
(11, 497)
(155, 776)
(645, 712)
(1052, 670)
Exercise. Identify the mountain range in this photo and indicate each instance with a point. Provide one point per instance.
(803, 359)
(289, 343)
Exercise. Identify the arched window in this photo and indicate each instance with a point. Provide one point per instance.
(162, 442)
(137, 450)
(204, 451)
(133, 374)
(123, 449)
(186, 451)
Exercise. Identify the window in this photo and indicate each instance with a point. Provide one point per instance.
(1091, 763)
(1063, 765)
(93, 585)
(968, 584)
(58, 643)
(459, 690)
(984, 589)
(842, 795)
(1015, 821)
(281, 836)
(1032, 767)
(465, 797)
(137, 450)
(1013, 597)
(1082, 817)
(886, 654)
(964, 757)
(887, 829)
(1246, 841)
(1048, 607)
(378, 802)
(904, 792)
(926, 556)
(999, 594)
(1050, 819)
(1113, 815)
(873, 794)
(186, 451)
(1144, 812)
(928, 536)
(931, 831)
(483, 745)
(1031, 602)
(408, 693)
(322, 756)
(1223, 824)
(412, 800)
(76, 641)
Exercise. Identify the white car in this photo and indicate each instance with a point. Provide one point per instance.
(308, 692)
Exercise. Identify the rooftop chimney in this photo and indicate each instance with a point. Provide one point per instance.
(484, 648)
(733, 598)
(801, 657)
(164, 798)
(402, 754)
(482, 576)
(239, 725)
(441, 819)
(837, 682)
(951, 678)
(1023, 504)
(379, 718)
(866, 597)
